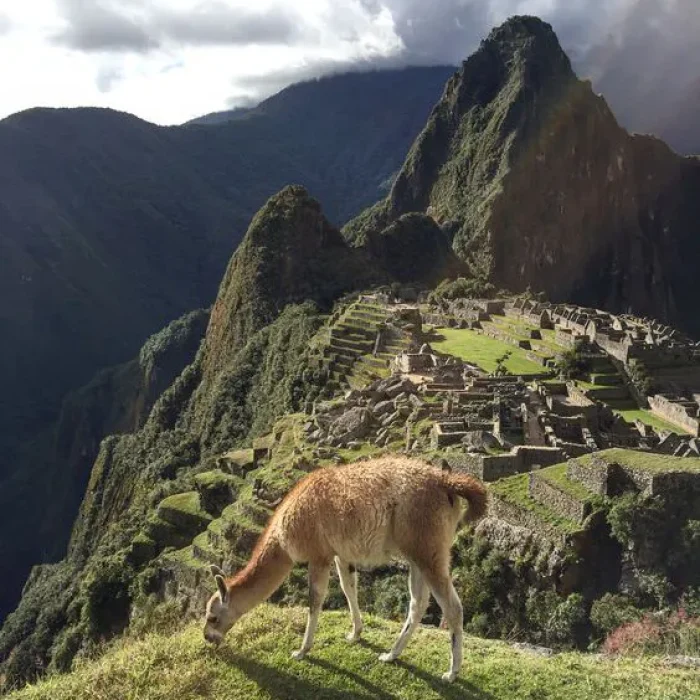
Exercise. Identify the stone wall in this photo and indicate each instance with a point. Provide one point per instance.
(532, 455)
(511, 513)
(617, 347)
(594, 476)
(676, 413)
(577, 396)
(557, 500)
(493, 467)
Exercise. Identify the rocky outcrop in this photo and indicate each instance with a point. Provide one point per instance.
(415, 249)
(528, 172)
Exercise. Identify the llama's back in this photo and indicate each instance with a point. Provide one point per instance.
(367, 512)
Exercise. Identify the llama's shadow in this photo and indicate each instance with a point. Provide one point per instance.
(281, 683)
(461, 688)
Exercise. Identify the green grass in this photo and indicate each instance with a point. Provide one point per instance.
(647, 461)
(216, 477)
(187, 503)
(254, 663)
(631, 415)
(186, 557)
(514, 489)
(483, 351)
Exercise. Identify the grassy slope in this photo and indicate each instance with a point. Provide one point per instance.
(515, 490)
(648, 461)
(255, 663)
(483, 351)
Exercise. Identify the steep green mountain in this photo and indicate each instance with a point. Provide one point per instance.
(528, 172)
(117, 401)
(110, 227)
(251, 368)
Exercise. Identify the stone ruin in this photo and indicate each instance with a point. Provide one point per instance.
(678, 410)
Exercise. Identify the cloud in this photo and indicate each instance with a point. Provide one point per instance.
(632, 49)
(168, 59)
(5, 24)
(94, 25)
(107, 77)
(217, 24)
(127, 26)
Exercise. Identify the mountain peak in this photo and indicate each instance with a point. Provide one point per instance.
(523, 40)
(529, 174)
(290, 254)
(520, 27)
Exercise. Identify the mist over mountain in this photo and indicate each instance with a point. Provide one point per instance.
(539, 187)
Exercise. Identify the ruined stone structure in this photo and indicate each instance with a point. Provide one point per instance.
(684, 413)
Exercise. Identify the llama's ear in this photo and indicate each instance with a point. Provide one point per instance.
(221, 585)
(216, 570)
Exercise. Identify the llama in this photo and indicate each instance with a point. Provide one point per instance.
(365, 514)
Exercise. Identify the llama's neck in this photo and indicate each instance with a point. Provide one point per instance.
(262, 576)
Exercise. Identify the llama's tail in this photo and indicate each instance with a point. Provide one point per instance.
(472, 490)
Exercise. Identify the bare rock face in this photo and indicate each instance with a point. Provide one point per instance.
(529, 174)
(353, 425)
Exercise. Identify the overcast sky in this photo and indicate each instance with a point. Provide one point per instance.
(170, 60)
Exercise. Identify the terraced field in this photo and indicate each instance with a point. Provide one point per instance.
(483, 351)
(349, 352)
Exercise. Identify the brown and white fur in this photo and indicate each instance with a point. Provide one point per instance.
(360, 514)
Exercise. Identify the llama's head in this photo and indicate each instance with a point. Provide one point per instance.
(221, 612)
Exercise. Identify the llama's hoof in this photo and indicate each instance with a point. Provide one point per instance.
(449, 677)
(387, 658)
(299, 654)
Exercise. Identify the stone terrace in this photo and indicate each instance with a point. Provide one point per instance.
(556, 502)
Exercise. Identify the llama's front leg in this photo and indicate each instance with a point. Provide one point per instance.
(419, 602)
(318, 587)
(348, 582)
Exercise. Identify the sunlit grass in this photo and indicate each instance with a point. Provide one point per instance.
(483, 351)
(254, 662)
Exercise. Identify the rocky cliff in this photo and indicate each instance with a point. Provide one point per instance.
(527, 171)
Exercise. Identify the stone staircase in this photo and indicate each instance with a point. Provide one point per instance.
(608, 383)
(349, 357)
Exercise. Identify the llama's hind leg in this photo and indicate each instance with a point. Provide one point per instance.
(348, 582)
(444, 592)
(319, 574)
(419, 603)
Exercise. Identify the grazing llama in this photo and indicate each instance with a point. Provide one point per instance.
(360, 514)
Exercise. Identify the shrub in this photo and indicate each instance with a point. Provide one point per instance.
(677, 633)
(690, 601)
(572, 365)
(462, 288)
(566, 626)
(391, 596)
(612, 611)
